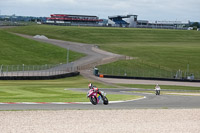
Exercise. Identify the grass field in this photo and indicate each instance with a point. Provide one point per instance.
(50, 91)
(15, 50)
(156, 50)
(166, 50)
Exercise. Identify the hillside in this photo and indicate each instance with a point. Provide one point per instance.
(169, 50)
(15, 50)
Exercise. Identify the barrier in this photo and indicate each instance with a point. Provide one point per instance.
(59, 76)
(149, 78)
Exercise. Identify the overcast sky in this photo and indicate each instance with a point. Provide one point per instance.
(169, 10)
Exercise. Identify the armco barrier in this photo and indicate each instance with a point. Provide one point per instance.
(148, 78)
(40, 77)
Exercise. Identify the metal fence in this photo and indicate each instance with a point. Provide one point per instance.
(153, 73)
(49, 70)
(36, 70)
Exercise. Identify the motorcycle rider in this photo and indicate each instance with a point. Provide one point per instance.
(95, 89)
(90, 85)
(157, 89)
(101, 95)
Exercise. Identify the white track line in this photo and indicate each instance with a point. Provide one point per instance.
(68, 102)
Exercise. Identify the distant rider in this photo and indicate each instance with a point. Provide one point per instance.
(157, 89)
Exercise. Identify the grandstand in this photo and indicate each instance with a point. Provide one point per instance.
(122, 20)
(66, 19)
(132, 21)
(163, 25)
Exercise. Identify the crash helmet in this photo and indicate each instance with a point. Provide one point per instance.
(90, 85)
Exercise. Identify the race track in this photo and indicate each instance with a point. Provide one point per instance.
(150, 101)
(94, 55)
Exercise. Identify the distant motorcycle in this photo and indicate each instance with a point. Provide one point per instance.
(157, 89)
(96, 96)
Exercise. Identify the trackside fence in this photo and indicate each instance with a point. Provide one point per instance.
(153, 73)
(50, 69)
(36, 70)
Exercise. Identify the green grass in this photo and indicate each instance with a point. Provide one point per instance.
(163, 50)
(15, 50)
(168, 87)
(50, 91)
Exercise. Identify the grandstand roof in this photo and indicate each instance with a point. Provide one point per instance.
(72, 15)
(121, 16)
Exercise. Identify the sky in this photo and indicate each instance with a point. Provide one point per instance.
(152, 10)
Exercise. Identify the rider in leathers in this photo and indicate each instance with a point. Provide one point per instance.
(95, 89)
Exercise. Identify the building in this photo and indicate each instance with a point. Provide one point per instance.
(122, 21)
(66, 19)
(13, 20)
(168, 25)
(132, 21)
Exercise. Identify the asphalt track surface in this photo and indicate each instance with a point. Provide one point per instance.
(93, 55)
(150, 101)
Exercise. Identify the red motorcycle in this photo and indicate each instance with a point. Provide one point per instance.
(95, 96)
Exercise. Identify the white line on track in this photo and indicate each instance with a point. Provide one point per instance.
(67, 102)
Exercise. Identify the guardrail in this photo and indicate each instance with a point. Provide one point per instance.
(148, 73)
(49, 71)
(35, 70)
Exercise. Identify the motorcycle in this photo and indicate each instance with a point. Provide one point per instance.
(97, 96)
(157, 92)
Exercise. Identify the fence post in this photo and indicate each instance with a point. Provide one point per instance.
(12, 70)
(62, 69)
(23, 69)
(49, 71)
(54, 67)
(17, 69)
(7, 70)
(33, 69)
(54, 70)
(40, 71)
(28, 70)
(46, 69)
